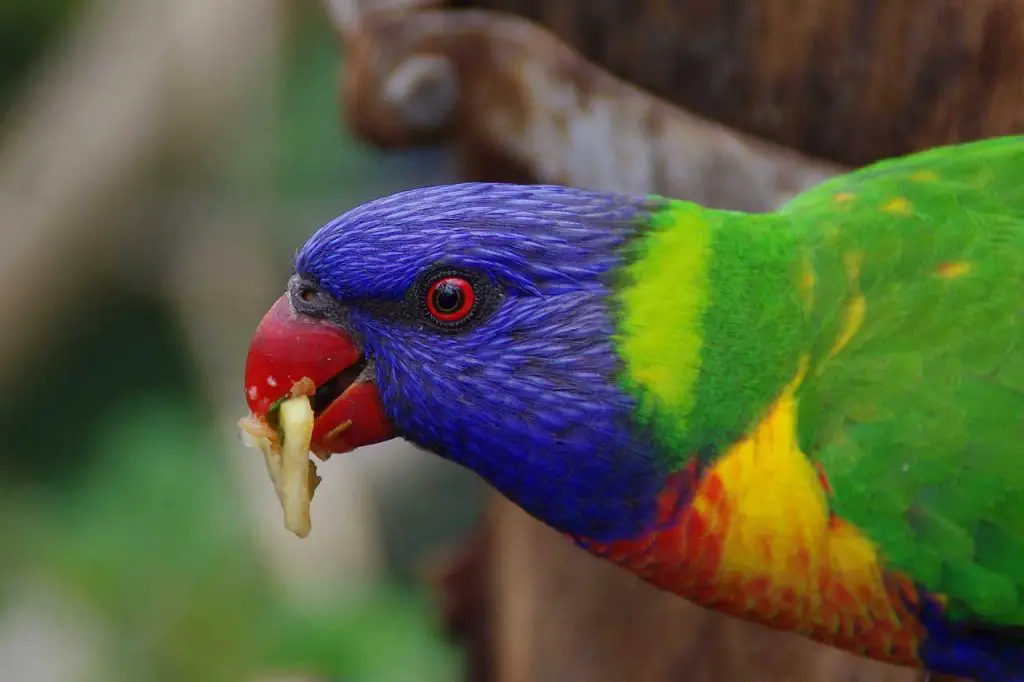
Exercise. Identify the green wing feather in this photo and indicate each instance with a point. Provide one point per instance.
(918, 419)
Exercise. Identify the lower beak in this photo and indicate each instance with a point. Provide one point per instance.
(293, 355)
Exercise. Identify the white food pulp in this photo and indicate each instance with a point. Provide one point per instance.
(288, 463)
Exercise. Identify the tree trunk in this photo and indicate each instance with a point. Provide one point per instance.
(851, 81)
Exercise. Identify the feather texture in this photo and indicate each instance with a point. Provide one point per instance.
(878, 496)
(812, 419)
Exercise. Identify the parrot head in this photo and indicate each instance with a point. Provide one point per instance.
(476, 321)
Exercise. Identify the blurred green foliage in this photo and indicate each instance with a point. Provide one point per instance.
(112, 484)
(152, 542)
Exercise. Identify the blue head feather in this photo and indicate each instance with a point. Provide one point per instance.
(529, 398)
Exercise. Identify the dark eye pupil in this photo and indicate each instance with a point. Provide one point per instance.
(448, 298)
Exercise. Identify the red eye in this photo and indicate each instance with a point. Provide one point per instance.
(450, 299)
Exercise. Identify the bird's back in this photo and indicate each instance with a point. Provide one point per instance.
(913, 403)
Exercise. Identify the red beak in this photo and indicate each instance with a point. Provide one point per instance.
(294, 354)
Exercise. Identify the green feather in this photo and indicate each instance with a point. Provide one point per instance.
(700, 276)
(930, 387)
(918, 418)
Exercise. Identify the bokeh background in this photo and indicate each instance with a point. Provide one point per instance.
(159, 164)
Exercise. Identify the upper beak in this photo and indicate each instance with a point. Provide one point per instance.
(292, 354)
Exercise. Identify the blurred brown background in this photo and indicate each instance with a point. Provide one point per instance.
(159, 164)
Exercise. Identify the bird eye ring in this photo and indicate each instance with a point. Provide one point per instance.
(450, 299)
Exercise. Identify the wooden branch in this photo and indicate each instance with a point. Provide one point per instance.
(504, 89)
(847, 80)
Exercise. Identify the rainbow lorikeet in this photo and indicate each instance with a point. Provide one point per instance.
(811, 418)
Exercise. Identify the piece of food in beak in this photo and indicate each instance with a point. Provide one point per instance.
(309, 389)
(287, 458)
